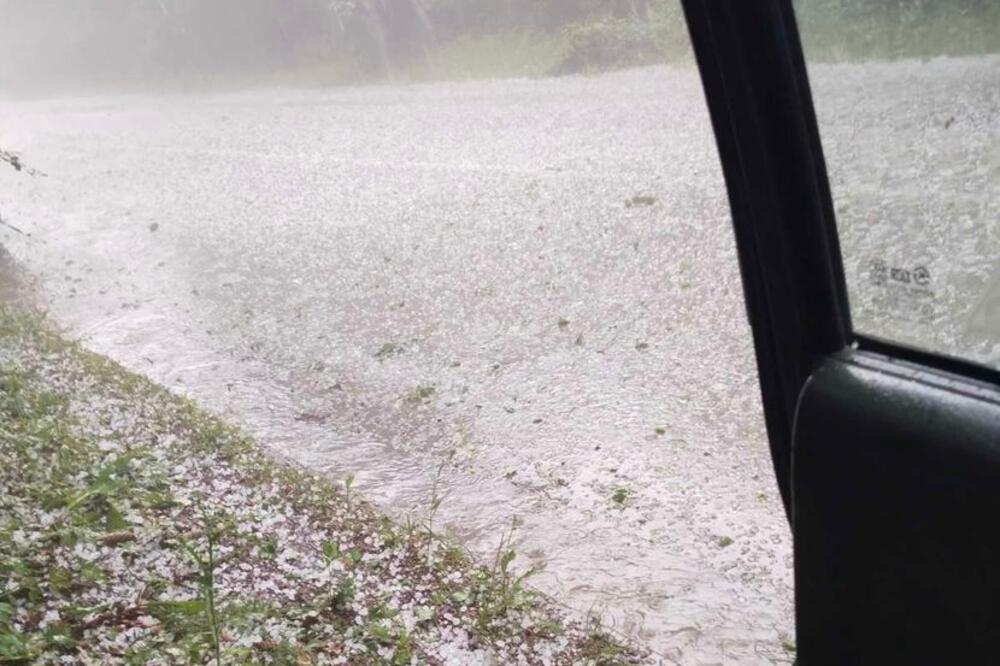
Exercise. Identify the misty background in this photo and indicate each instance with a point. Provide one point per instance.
(63, 46)
(60, 45)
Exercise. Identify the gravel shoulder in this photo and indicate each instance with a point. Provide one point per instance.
(136, 528)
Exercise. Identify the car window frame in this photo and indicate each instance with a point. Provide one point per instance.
(756, 85)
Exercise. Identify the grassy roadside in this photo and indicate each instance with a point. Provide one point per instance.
(520, 54)
(136, 529)
(507, 55)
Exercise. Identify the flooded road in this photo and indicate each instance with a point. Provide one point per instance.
(526, 290)
(369, 279)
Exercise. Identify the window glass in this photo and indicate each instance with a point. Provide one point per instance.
(907, 94)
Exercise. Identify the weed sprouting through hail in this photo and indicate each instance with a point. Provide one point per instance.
(348, 484)
(435, 503)
(501, 589)
(214, 526)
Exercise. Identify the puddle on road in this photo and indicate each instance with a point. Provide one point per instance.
(534, 279)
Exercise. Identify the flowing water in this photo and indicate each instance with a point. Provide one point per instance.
(526, 290)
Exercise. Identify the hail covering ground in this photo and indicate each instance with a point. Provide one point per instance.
(136, 529)
(532, 279)
(915, 174)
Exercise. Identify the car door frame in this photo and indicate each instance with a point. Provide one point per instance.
(814, 369)
(755, 83)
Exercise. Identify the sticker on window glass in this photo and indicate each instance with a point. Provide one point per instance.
(900, 291)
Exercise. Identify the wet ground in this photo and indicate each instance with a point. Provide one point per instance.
(525, 290)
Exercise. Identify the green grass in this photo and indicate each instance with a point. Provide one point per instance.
(49, 463)
(522, 54)
(831, 37)
(600, 649)
(620, 495)
(421, 394)
(110, 484)
(499, 589)
(390, 350)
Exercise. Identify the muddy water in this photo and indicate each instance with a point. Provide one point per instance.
(378, 281)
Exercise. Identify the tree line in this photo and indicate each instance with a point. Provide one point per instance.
(88, 40)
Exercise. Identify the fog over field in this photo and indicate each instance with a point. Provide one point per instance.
(60, 46)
